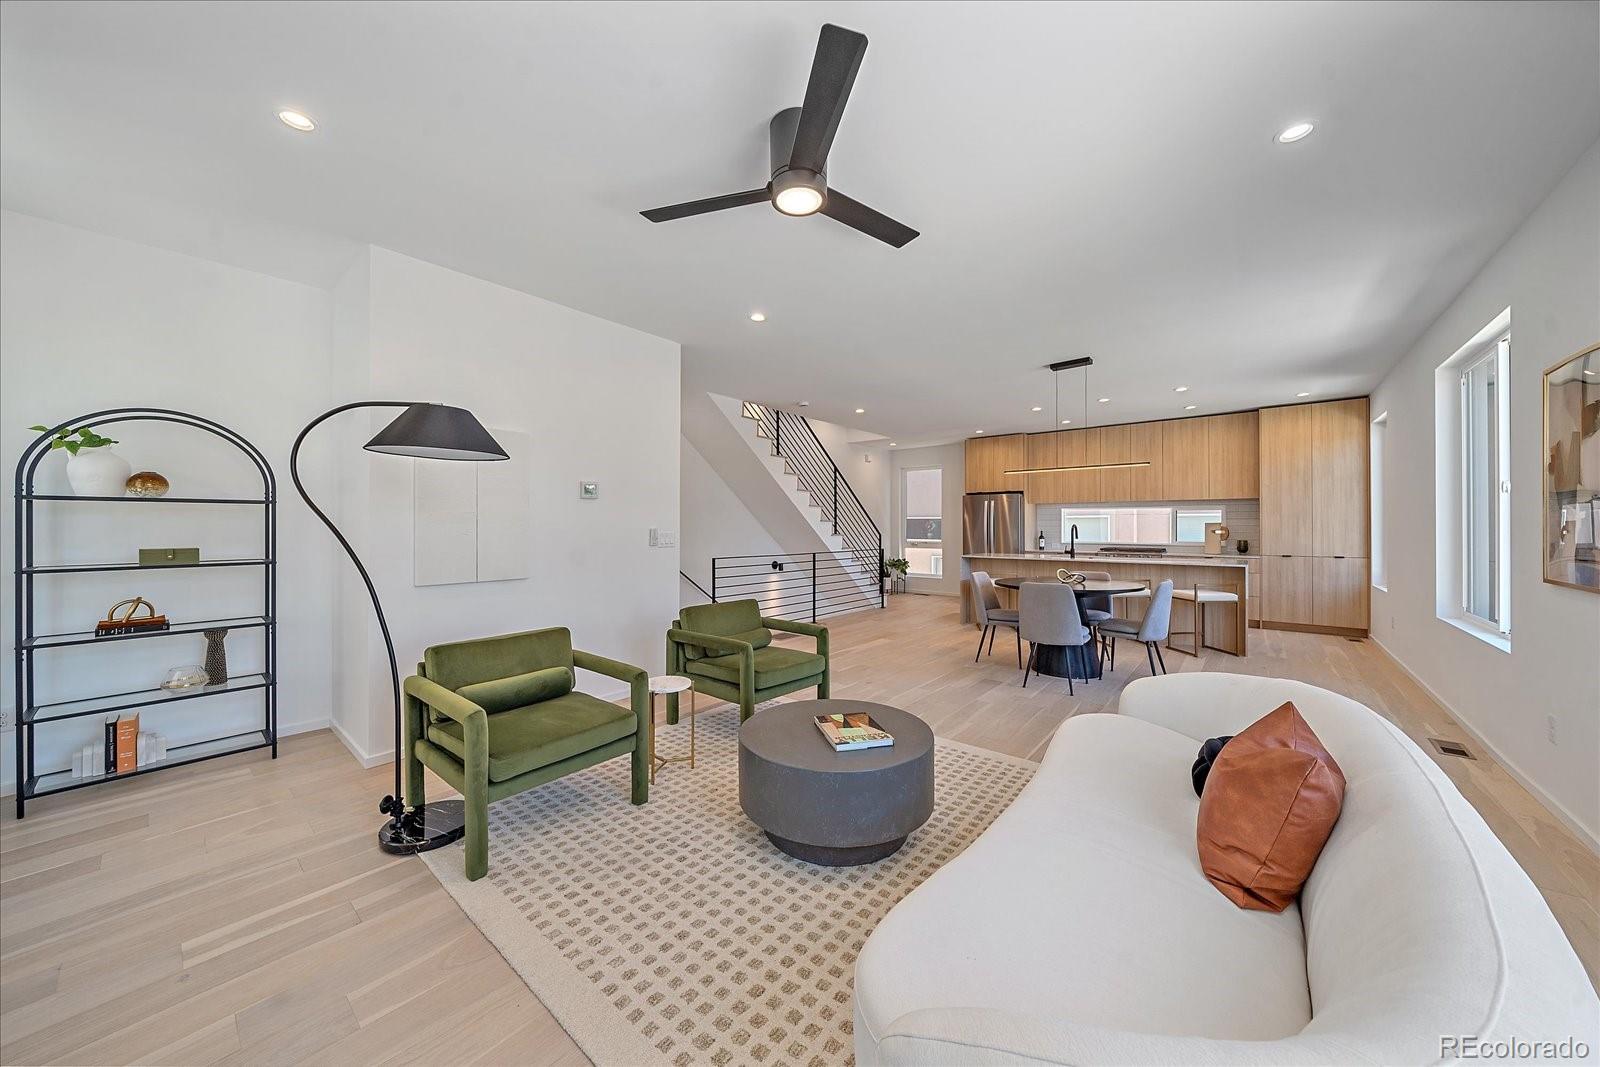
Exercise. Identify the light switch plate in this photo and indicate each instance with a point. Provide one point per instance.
(588, 490)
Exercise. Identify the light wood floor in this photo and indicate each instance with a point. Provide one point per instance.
(240, 912)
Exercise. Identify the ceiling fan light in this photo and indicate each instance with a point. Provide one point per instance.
(799, 200)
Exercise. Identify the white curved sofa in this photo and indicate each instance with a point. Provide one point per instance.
(1079, 929)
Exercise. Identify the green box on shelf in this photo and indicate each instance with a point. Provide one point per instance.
(168, 557)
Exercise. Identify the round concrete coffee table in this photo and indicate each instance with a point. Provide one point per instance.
(834, 808)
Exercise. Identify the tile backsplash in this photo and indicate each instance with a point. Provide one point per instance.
(1243, 518)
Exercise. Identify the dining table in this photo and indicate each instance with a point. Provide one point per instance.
(1073, 661)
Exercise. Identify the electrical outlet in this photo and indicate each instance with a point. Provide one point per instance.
(1550, 729)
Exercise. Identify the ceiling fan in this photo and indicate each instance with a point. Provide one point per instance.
(799, 138)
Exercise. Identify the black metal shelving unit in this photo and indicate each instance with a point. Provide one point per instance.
(34, 713)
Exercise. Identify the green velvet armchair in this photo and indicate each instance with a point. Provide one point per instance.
(498, 715)
(726, 649)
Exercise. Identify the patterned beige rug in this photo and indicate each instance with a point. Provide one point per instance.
(675, 933)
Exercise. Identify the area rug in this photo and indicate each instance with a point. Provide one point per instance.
(675, 933)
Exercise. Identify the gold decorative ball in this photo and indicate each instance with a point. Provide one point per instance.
(147, 483)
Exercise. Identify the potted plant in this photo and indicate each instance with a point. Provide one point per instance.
(894, 572)
(92, 467)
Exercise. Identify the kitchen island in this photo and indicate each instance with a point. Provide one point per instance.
(1227, 625)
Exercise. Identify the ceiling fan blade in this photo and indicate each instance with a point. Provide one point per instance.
(833, 72)
(715, 203)
(856, 215)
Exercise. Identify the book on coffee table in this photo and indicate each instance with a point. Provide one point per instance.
(855, 730)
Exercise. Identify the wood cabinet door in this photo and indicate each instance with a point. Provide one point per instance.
(1285, 477)
(1044, 450)
(1234, 454)
(1137, 442)
(1079, 447)
(1339, 592)
(1339, 473)
(1184, 459)
(988, 458)
(1289, 590)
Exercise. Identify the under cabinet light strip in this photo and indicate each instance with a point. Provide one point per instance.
(1083, 467)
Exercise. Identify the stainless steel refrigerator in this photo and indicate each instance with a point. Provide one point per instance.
(991, 523)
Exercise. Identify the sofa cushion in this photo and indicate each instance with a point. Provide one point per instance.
(739, 620)
(503, 694)
(527, 738)
(1271, 800)
(1085, 901)
(774, 666)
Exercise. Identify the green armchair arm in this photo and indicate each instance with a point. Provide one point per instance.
(473, 719)
(805, 629)
(743, 649)
(638, 680)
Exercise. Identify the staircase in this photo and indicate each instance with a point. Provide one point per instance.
(846, 576)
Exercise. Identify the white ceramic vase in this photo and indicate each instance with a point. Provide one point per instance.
(98, 472)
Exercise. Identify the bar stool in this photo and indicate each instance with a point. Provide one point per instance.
(1199, 599)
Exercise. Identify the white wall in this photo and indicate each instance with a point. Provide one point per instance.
(89, 322)
(599, 401)
(1548, 274)
(715, 521)
(952, 459)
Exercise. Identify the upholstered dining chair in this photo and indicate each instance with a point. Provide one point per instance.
(1151, 630)
(991, 616)
(1095, 607)
(1049, 616)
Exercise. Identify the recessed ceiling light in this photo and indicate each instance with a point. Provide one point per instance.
(891, 444)
(296, 121)
(1589, 372)
(977, 431)
(1302, 394)
(758, 316)
(1298, 131)
(1105, 400)
(1036, 408)
(861, 411)
(1066, 422)
(1190, 407)
(1181, 389)
(803, 404)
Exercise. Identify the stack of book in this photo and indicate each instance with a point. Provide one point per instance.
(124, 748)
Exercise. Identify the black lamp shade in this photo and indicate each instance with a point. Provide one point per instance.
(437, 431)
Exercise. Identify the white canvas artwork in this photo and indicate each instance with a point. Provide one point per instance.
(473, 522)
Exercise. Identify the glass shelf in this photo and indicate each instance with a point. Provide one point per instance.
(90, 568)
(139, 698)
(87, 637)
(61, 781)
(147, 499)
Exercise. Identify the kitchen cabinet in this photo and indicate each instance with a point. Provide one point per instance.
(1184, 448)
(1288, 591)
(1133, 442)
(1339, 592)
(1285, 480)
(1079, 447)
(988, 458)
(1044, 450)
(1232, 456)
(1339, 473)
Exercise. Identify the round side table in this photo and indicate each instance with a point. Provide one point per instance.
(663, 684)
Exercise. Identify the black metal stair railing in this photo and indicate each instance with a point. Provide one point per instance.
(847, 578)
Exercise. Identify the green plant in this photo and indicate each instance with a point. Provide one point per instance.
(898, 566)
(86, 438)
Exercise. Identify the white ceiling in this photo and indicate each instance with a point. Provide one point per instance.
(1093, 179)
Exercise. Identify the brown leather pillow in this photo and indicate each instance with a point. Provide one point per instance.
(1270, 803)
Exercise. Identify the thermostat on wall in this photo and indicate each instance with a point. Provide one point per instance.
(589, 490)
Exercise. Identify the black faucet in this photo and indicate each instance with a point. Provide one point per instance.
(1072, 549)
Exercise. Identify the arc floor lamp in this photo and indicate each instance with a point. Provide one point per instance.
(421, 431)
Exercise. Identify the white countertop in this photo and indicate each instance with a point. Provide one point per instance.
(1232, 559)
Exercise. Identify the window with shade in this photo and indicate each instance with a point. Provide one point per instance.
(922, 524)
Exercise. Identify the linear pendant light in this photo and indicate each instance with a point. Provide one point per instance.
(1083, 362)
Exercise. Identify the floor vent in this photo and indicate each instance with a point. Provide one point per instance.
(1357, 640)
(1450, 748)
